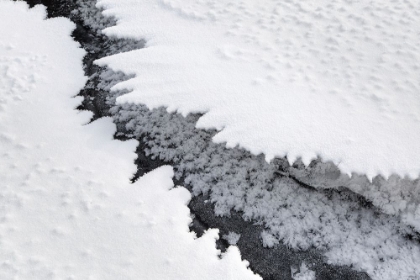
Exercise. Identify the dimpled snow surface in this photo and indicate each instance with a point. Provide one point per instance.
(336, 79)
(67, 208)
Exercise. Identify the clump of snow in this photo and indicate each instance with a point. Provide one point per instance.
(337, 80)
(268, 239)
(232, 237)
(303, 273)
(67, 211)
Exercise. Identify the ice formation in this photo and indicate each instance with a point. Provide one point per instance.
(350, 233)
(232, 238)
(304, 273)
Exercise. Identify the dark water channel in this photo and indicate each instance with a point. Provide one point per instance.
(274, 263)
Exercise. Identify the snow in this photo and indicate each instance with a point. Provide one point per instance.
(297, 78)
(68, 210)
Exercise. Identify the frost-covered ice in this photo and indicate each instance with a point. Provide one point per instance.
(68, 210)
(336, 79)
(352, 235)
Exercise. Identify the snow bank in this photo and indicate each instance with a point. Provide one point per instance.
(337, 79)
(68, 210)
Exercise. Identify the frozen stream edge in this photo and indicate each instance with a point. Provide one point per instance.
(158, 125)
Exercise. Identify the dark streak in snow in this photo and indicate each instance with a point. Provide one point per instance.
(273, 263)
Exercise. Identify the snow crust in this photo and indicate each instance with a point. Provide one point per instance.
(335, 79)
(68, 210)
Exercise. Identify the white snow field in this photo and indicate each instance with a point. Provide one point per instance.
(335, 79)
(67, 209)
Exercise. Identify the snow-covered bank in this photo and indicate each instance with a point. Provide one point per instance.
(68, 210)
